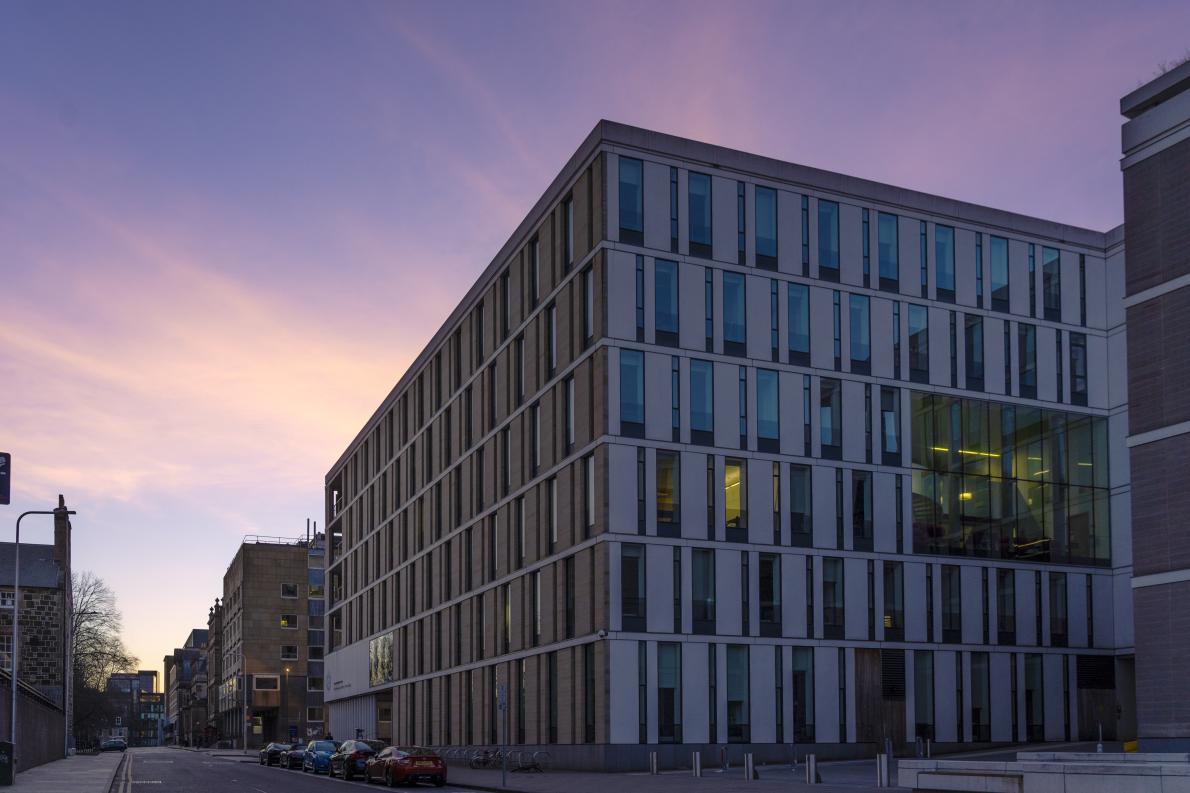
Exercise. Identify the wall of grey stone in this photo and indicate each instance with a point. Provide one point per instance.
(41, 727)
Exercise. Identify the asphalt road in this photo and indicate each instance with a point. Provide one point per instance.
(181, 771)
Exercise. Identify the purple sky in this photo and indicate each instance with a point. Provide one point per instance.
(226, 228)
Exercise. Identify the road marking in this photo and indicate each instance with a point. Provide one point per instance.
(147, 782)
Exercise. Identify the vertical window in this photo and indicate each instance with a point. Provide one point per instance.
(535, 419)
(745, 589)
(677, 595)
(952, 605)
(568, 568)
(801, 526)
(702, 402)
(669, 692)
(768, 424)
(861, 341)
(632, 395)
(832, 598)
(534, 271)
(973, 348)
(867, 422)
(1058, 618)
(673, 210)
(766, 228)
(519, 363)
(708, 293)
(640, 298)
(919, 344)
(896, 335)
(774, 322)
(894, 601)
(981, 717)
(1034, 698)
(1032, 280)
(640, 490)
(770, 594)
(922, 255)
(570, 411)
(588, 304)
(740, 215)
(861, 510)
(979, 270)
(1005, 606)
(734, 328)
(553, 506)
(665, 301)
(568, 215)
(743, 403)
(923, 693)
(632, 224)
(713, 692)
(830, 417)
(735, 499)
(887, 249)
(944, 262)
(1051, 283)
(806, 411)
(1027, 362)
(505, 305)
(739, 709)
(642, 691)
(703, 590)
(675, 398)
(828, 240)
(890, 425)
(1060, 359)
(589, 496)
(867, 247)
(1082, 289)
(776, 503)
(837, 328)
(1078, 368)
(699, 208)
(632, 587)
(668, 494)
(799, 324)
(803, 694)
(805, 237)
(552, 313)
(710, 490)
(999, 251)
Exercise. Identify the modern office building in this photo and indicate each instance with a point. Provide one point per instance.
(136, 708)
(725, 451)
(1156, 165)
(273, 638)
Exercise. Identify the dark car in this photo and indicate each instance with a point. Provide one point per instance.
(113, 745)
(403, 765)
(352, 758)
(271, 754)
(317, 757)
(292, 756)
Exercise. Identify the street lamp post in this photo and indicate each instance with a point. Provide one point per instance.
(16, 619)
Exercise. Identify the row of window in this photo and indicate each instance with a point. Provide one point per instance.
(888, 228)
(965, 331)
(706, 608)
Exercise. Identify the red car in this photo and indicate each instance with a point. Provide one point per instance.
(405, 765)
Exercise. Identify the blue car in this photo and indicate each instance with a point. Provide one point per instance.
(317, 759)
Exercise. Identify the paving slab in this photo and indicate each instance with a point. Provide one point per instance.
(91, 773)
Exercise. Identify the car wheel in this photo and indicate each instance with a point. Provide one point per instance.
(388, 777)
(439, 782)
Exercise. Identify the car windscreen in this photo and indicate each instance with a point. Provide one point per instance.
(417, 751)
(323, 746)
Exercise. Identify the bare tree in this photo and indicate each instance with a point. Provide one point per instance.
(95, 632)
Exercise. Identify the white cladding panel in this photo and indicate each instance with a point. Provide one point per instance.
(621, 295)
(692, 306)
(1097, 292)
(882, 337)
(659, 580)
(970, 585)
(964, 267)
(727, 405)
(1018, 277)
(939, 346)
(790, 413)
(347, 672)
(724, 223)
(826, 694)
(613, 197)
(793, 595)
(656, 206)
(764, 709)
(824, 506)
(789, 232)
(694, 495)
(1026, 632)
(851, 268)
(853, 421)
(908, 255)
(945, 725)
(855, 600)
(993, 355)
(915, 602)
(822, 328)
(695, 683)
(1000, 684)
(658, 413)
(1076, 609)
(760, 502)
(624, 666)
(622, 489)
(1071, 288)
(1047, 362)
(884, 506)
(1097, 372)
(1055, 723)
(758, 318)
(728, 613)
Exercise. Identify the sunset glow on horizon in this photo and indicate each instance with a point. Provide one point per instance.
(227, 228)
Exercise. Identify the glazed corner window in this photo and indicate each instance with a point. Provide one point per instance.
(766, 228)
(289, 621)
(944, 262)
(890, 270)
(828, 238)
(1051, 284)
(919, 344)
(734, 332)
(668, 492)
(768, 424)
(699, 193)
(289, 590)
(861, 337)
(665, 297)
(632, 393)
(799, 324)
(999, 250)
(632, 224)
(735, 496)
(830, 417)
(702, 401)
(632, 587)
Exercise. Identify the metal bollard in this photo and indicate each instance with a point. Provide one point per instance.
(653, 763)
(748, 766)
(696, 763)
(811, 769)
(882, 770)
(928, 741)
(723, 758)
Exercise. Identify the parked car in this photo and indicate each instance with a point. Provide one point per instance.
(403, 765)
(271, 754)
(113, 745)
(292, 757)
(352, 758)
(317, 757)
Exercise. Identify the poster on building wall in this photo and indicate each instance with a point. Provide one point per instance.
(380, 660)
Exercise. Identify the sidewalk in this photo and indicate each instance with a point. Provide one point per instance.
(840, 777)
(77, 774)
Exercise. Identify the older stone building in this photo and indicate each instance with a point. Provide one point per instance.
(185, 692)
(214, 655)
